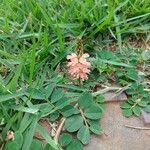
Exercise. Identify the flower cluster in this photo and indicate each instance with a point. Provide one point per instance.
(78, 67)
(10, 135)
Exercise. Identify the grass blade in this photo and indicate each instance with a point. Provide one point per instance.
(4, 98)
(30, 134)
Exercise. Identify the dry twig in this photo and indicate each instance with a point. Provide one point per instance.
(59, 130)
(138, 128)
(118, 90)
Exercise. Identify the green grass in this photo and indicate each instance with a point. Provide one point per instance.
(37, 35)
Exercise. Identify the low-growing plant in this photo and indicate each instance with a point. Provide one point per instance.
(35, 39)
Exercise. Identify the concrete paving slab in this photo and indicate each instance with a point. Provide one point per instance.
(113, 97)
(146, 117)
(117, 136)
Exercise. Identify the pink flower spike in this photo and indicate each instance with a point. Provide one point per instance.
(78, 68)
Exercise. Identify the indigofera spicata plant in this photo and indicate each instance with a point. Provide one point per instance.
(83, 117)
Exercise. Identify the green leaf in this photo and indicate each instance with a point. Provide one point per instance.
(19, 139)
(7, 63)
(45, 109)
(25, 109)
(85, 100)
(62, 103)
(49, 147)
(93, 112)
(7, 55)
(29, 134)
(108, 55)
(7, 97)
(130, 102)
(135, 88)
(95, 126)
(75, 145)
(49, 89)
(84, 134)
(25, 122)
(142, 103)
(115, 63)
(125, 105)
(69, 110)
(127, 112)
(100, 99)
(72, 87)
(36, 144)
(12, 145)
(57, 95)
(36, 94)
(146, 55)
(47, 137)
(136, 110)
(32, 62)
(65, 139)
(14, 82)
(147, 109)
(54, 116)
(73, 123)
(132, 74)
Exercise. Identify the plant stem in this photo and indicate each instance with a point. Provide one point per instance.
(118, 90)
(138, 128)
(59, 130)
(82, 114)
(148, 90)
(137, 101)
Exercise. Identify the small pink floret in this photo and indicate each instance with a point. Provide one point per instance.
(10, 135)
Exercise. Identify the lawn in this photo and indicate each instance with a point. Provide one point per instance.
(58, 58)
